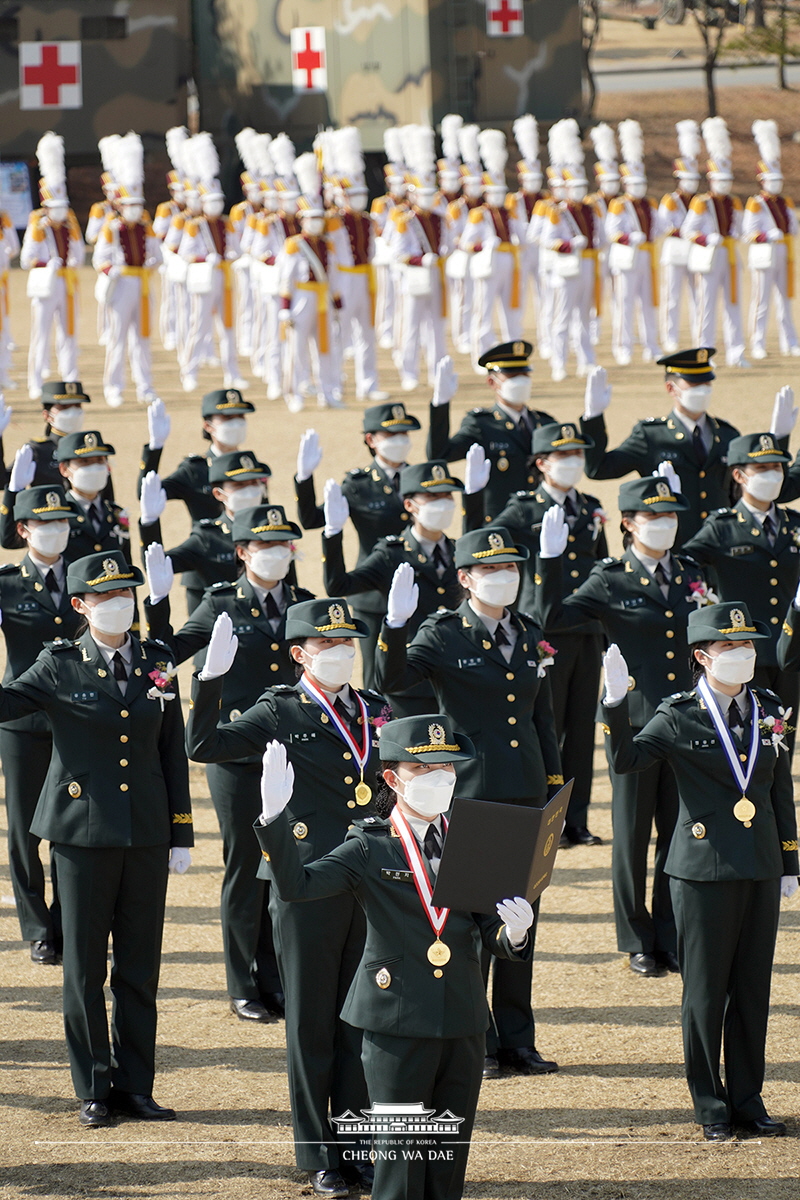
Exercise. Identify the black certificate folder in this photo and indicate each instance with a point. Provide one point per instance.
(496, 851)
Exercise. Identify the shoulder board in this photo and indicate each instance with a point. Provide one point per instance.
(669, 202)
(528, 619)
(698, 204)
(721, 512)
(591, 501)
(358, 472)
(378, 205)
(616, 206)
(443, 614)
(208, 522)
(723, 424)
(737, 204)
(222, 586)
(475, 215)
(394, 539)
(281, 687)
(480, 412)
(194, 458)
(60, 644)
(156, 642)
(370, 694)
(680, 698)
(765, 691)
(653, 421)
(687, 559)
(523, 494)
(9, 568)
(788, 201)
(39, 440)
(290, 245)
(610, 562)
(753, 204)
(332, 224)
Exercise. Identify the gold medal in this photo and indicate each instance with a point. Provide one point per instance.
(363, 793)
(744, 810)
(438, 953)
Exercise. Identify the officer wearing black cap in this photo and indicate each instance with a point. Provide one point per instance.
(642, 600)
(330, 730)
(35, 609)
(416, 995)
(695, 443)
(115, 806)
(504, 431)
(257, 603)
(372, 493)
(752, 550)
(487, 666)
(426, 490)
(238, 482)
(559, 461)
(733, 854)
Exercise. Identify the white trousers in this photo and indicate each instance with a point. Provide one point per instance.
(245, 304)
(572, 311)
(123, 318)
(386, 303)
(675, 281)
(357, 330)
(206, 315)
(709, 288)
(306, 368)
(765, 285)
(633, 292)
(423, 331)
(490, 294)
(44, 313)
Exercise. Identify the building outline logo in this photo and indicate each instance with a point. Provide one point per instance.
(408, 1119)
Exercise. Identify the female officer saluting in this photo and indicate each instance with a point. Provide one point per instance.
(733, 854)
(418, 992)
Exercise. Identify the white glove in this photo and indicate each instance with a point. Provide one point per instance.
(158, 423)
(179, 860)
(578, 242)
(160, 574)
(615, 676)
(774, 235)
(114, 271)
(403, 596)
(222, 647)
(668, 472)
(337, 510)
(478, 470)
(153, 499)
(446, 382)
(636, 238)
(517, 916)
(212, 258)
(789, 886)
(784, 413)
(713, 239)
(277, 782)
(554, 533)
(309, 455)
(5, 414)
(598, 393)
(429, 260)
(285, 316)
(23, 470)
(796, 601)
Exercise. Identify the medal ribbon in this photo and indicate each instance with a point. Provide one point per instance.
(742, 778)
(436, 916)
(361, 756)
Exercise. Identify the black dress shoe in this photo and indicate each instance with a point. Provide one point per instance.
(491, 1067)
(526, 1060)
(719, 1132)
(95, 1114)
(667, 960)
(44, 952)
(645, 964)
(144, 1108)
(250, 1010)
(359, 1175)
(579, 835)
(762, 1127)
(274, 1003)
(328, 1183)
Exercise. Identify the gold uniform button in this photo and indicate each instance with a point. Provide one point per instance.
(255, 612)
(743, 757)
(74, 790)
(509, 674)
(773, 620)
(571, 538)
(572, 554)
(670, 654)
(348, 778)
(438, 973)
(510, 697)
(124, 713)
(513, 743)
(670, 676)
(440, 591)
(698, 830)
(101, 672)
(512, 720)
(773, 599)
(274, 666)
(98, 546)
(351, 803)
(300, 830)
(383, 978)
(486, 645)
(702, 474)
(574, 574)
(123, 737)
(275, 646)
(123, 762)
(774, 582)
(670, 633)
(704, 515)
(704, 495)
(773, 562)
(58, 620)
(123, 787)
(324, 718)
(347, 756)
(669, 613)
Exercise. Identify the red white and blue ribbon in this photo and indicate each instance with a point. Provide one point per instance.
(436, 916)
(740, 774)
(360, 754)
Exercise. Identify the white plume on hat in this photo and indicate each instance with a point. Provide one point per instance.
(631, 142)
(526, 135)
(283, 155)
(128, 167)
(494, 153)
(718, 144)
(451, 123)
(690, 146)
(393, 145)
(572, 152)
(324, 149)
(407, 134)
(202, 159)
(107, 147)
(421, 155)
(605, 148)
(245, 140)
(470, 151)
(262, 157)
(309, 181)
(50, 155)
(349, 156)
(176, 139)
(555, 146)
(769, 147)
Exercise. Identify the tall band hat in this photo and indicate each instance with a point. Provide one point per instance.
(245, 144)
(470, 154)
(176, 139)
(204, 161)
(128, 160)
(395, 169)
(309, 180)
(450, 162)
(107, 146)
(631, 140)
(768, 143)
(494, 155)
(690, 147)
(283, 155)
(526, 135)
(605, 149)
(718, 144)
(53, 175)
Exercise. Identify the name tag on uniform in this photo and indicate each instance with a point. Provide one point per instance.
(240, 629)
(633, 602)
(498, 445)
(82, 697)
(221, 558)
(702, 743)
(28, 606)
(397, 876)
(299, 739)
(471, 662)
(736, 551)
(376, 505)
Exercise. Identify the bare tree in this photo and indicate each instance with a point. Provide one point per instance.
(778, 38)
(710, 18)
(590, 28)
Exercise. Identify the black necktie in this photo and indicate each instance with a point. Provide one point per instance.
(661, 578)
(95, 517)
(735, 719)
(700, 452)
(273, 612)
(120, 670)
(769, 529)
(395, 481)
(501, 637)
(344, 712)
(432, 844)
(525, 422)
(51, 583)
(570, 511)
(438, 559)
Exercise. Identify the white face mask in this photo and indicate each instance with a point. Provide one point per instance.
(423, 200)
(357, 201)
(395, 448)
(271, 563)
(722, 187)
(498, 588)
(112, 616)
(132, 213)
(516, 391)
(689, 184)
(244, 497)
(658, 534)
(734, 666)
(637, 189)
(333, 667)
(765, 485)
(231, 432)
(49, 539)
(431, 793)
(436, 514)
(696, 399)
(531, 184)
(314, 225)
(213, 208)
(565, 472)
(68, 420)
(773, 187)
(90, 479)
(610, 187)
(58, 213)
(577, 191)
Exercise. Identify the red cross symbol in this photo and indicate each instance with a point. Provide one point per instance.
(505, 15)
(51, 75)
(309, 60)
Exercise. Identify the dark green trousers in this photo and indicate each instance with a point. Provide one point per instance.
(638, 801)
(26, 756)
(726, 943)
(575, 681)
(250, 964)
(121, 893)
(513, 1024)
(319, 945)
(445, 1075)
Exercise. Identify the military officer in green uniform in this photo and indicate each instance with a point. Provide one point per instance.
(257, 603)
(732, 857)
(486, 664)
(34, 608)
(374, 502)
(330, 730)
(418, 992)
(752, 551)
(504, 431)
(115, 805)
(692, 441)
(642, 600)
(426, 490)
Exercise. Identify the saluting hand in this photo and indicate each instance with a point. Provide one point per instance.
(337, 510)
(158, 423)
(403, 596)
(160, 575)
(668, 472)
(554, 533)
(478, 470)
(222, 647)
(598, 393)
(153, 498)
(445, 382)
(5, 414)
(615, 676)
(23, 470)
(784, 413)
(309, 455)
(517, 915)
(277, 782)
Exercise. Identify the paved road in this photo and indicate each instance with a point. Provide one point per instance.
(643, 77)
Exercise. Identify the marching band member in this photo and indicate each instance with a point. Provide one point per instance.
(676, 279)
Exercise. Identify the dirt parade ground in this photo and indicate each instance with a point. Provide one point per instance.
(615, 1123)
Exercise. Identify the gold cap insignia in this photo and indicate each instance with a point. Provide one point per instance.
(737, 618)
(71, 389)
(232, 396)
(702, 356)
(383, 978)
(662, 488)
(53, 499)
(496, 541)
(111, 566)
(246, 463)
(438, 473)
(567, 431)
(90, 440)
(336, 614)
(766, 442)
(274, 516)
(398, 412)
(437, 735)
(519, 348)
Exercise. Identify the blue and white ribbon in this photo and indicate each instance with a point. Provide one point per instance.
(741, 773)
